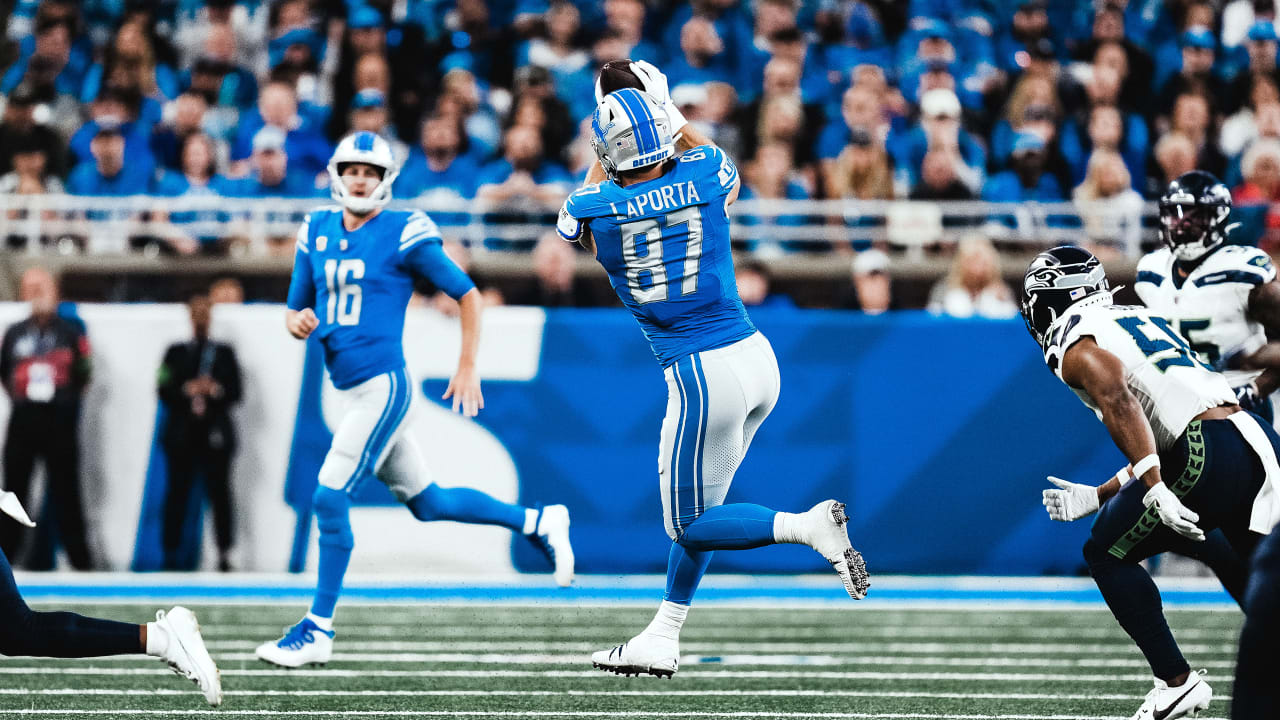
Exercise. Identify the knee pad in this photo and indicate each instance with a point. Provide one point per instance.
(337, 470)
(333, 509)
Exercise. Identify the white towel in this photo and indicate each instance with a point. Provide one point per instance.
(1266, 506)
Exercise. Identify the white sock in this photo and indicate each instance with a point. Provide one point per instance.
(789, 528)
(530, 521)
(668, 621)
(324, 623)
(157, 640)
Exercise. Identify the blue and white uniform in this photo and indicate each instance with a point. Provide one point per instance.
(359, 283)
(665, 245)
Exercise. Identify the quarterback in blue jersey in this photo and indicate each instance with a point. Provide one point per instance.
(659, 227)
(353, 275)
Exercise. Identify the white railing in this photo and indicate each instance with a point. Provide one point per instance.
(124, 225)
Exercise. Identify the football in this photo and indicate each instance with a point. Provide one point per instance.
(615, 75)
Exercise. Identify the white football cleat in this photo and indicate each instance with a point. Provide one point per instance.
(643, 654)
(1167, 703)
(552, 535)
(826, 527)
(303, 644)
(186, 652)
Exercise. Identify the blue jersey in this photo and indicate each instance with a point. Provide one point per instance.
(665, 244)
(359, 283)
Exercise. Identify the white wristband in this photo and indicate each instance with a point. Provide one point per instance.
(1124, 476)
(676, 117)
(1141, 467)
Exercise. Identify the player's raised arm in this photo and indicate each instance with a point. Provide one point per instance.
(299, 318)
(1099, 373)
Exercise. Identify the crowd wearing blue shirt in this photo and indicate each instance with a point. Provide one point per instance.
(995, 100)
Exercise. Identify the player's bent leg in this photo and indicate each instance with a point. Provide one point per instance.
(1256, 695)
(406, 474)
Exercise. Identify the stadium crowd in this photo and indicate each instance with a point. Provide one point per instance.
(1094, 102)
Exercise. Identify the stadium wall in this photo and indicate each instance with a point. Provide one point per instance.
(939, 432)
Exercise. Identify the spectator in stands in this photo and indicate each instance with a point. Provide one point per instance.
(1266, 127)
(460, 95)
(29, 176)
(1243, 127)
(439, 166)
(781, 78)
(940, 131)
(861, 107)
(1192, 118)
(186, 116)
(107, 174)
(1032, 107)
(218, 76)
(700, 44)
(278, 108)
(1174, 155)
(755, 287)
(369, 114)
(1029, 25)
(1027, 178)
(863, 170)
(523, 175)
(1102, 123)
(558, 50)
(1195, 75)
(52, 61)
(626, 19)
(119, 107)
(45, 367)
(1262, 45)
(1137, 67)
(973, 287)
(771, 176)
(939, 179)
(199, 382)
(130, 63)
(197, 178)
(1108, 204)
(1258, 197)
(555, 282)
(535, 90)
(272, 172)
(19, 129)
(247, 28)
(872, 288)
(781, 120)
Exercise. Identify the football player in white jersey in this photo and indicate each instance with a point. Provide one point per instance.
(1224, 299)
(1198, 462)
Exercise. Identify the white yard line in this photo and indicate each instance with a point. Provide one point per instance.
(568, 714)
(1142, 677)
(584, 693)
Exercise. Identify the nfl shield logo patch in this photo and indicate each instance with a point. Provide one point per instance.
(321, 243)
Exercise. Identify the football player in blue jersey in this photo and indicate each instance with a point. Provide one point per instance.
(659, 227)
(353, 274)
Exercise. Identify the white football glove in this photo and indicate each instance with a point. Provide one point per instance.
(1173, 513)
(1070, 501)
(11, 506)
(653, 82)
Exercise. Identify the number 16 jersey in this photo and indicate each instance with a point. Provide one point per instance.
(665, 245)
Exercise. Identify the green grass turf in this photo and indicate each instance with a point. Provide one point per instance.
(523, 661)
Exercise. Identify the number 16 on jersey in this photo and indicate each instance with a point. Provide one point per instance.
(340, 277)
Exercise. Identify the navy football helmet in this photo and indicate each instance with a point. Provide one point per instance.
(1055, 280)
(1193, 215)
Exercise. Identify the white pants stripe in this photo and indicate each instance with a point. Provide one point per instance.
(716, 400)
(371, 437)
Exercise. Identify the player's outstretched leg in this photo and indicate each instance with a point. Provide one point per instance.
(546, 527)
(174, 637)
(310, 641)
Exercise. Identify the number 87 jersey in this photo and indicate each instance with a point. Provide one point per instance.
(665, 245)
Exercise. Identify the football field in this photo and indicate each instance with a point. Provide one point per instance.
(532, 661)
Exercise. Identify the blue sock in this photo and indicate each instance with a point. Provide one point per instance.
(740, 526)
(333, 509)
(684, 571)
(462, 504)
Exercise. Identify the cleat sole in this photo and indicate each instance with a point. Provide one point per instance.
(634, 671)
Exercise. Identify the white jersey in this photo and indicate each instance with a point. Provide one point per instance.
(1172, 385)
(1210, 306)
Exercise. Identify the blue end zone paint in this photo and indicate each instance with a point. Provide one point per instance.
(504, 594)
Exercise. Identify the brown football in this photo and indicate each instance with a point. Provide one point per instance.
(615, 75)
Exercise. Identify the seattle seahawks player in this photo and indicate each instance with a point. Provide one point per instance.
(660, 229)
(174, 636)
(355, 266)
(1172, 417)
(1224, 299)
